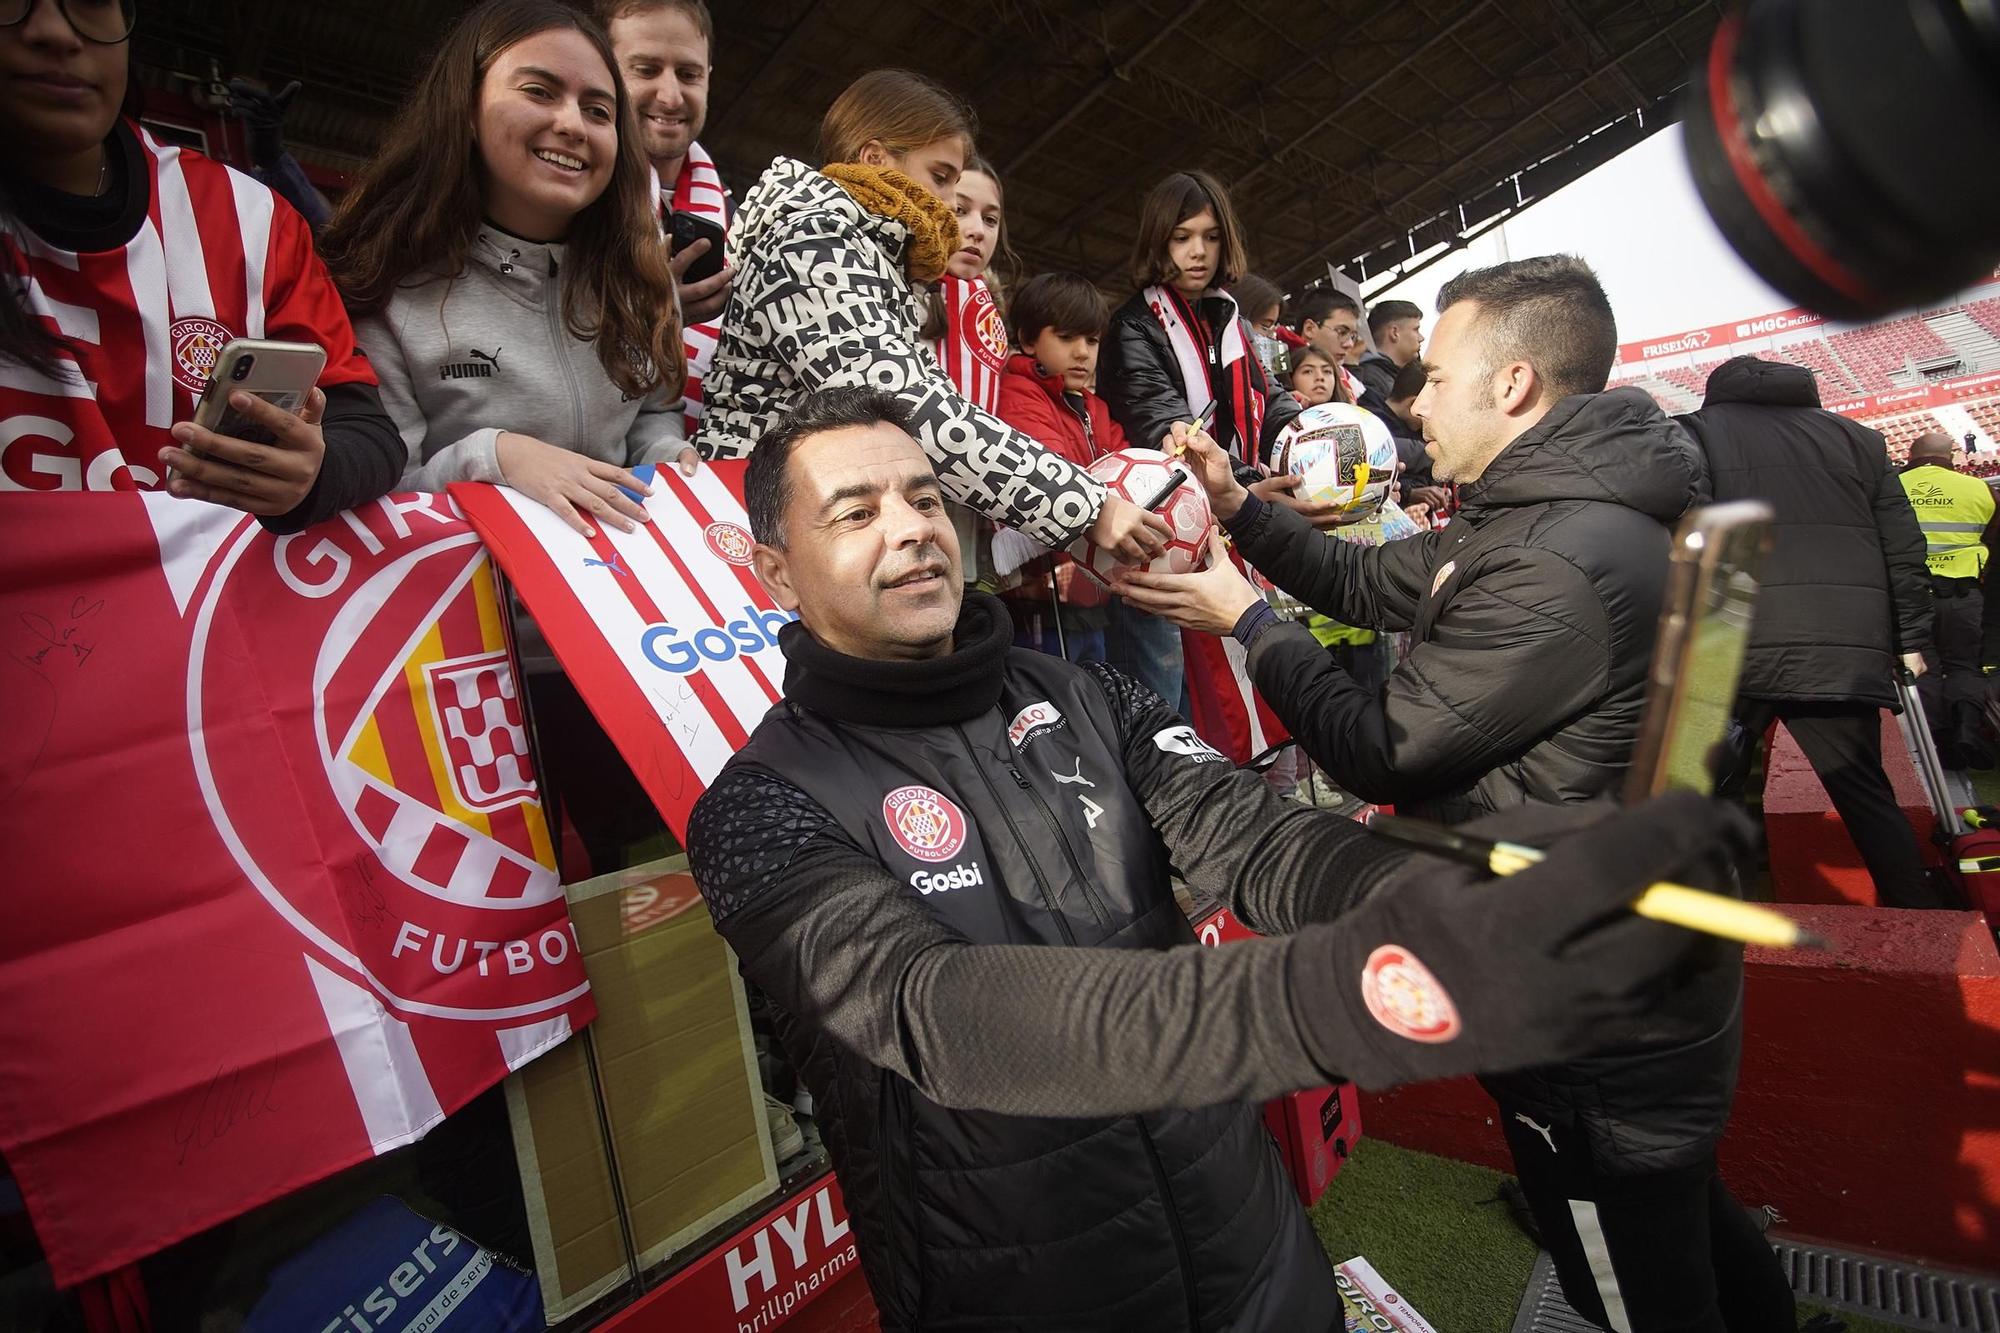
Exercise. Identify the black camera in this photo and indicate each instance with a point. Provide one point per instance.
(1850, 149)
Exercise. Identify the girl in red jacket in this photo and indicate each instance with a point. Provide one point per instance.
(1057, 320)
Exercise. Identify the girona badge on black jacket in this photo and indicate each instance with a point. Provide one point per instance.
(1017, 827)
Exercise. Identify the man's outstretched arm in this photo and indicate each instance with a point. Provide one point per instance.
(1402, 988)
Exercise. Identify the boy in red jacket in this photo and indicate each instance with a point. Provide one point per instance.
(1056, 320)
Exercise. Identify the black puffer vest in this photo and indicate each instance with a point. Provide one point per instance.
(1014, 825)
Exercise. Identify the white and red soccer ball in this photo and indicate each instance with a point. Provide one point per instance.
(1343, 454)
(1138, 475)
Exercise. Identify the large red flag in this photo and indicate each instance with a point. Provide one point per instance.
(279, 880)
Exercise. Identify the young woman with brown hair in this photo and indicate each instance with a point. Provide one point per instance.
(973, 348)
(833, 267)
(505, 266)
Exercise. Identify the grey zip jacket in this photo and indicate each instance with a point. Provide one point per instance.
(461, 359)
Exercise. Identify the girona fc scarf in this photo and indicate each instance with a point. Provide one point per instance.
(1214, 363)
(699, 190)
(1224, 706)
(973, 350)
(283, 887)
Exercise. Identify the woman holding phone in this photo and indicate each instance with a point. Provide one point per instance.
(518, 308)
(132, 264)
(873, 228)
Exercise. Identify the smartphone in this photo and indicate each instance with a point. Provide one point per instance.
(280, 373)
(687, 228)
(1718, 558)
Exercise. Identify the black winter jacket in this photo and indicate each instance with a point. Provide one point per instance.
(1377, 374)
(1139, 379)
(1845, 589)
(1041, 1137)
(1531, 615)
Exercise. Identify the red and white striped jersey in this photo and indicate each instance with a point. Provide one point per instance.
(699, 190)
(973, 350)
(217, 257)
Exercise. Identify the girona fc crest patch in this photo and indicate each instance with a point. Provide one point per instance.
(197, 344)
(989, 342)
(729, 541)
(1405, 998)
(405, 777)
(925, 823)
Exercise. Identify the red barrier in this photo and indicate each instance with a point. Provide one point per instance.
(1812, 858)
(1869, 1108)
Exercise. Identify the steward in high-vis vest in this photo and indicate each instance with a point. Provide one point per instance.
(947, 862)
(1956, 513)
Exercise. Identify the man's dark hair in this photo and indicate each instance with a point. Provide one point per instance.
(608, 12)
(1386, 313)
(1549, 311)
(1069, 303)
(1316, 306)
(1410, 380)
(767, 484)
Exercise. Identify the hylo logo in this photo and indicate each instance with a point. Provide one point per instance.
(1032, 720)
(925, 823)
(753, 632)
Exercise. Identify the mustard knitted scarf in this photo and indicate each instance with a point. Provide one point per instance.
(888, 193)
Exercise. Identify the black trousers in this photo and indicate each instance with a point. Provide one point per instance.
(1952, 688)
(1663, 1252)
(1843, 743)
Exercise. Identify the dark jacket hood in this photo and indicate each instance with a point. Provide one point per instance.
(1617, 447)
(1745, 379)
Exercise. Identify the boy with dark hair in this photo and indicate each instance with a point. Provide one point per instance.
(1330, 320)
(1058, 321)
(1396, 329)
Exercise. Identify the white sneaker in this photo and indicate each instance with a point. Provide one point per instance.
(787, 1141)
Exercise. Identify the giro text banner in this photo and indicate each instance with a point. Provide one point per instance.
(283, 889)
(665, 632)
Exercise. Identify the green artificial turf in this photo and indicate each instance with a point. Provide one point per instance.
(1436, 1230)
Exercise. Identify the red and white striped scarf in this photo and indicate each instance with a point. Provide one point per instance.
(1207, 356)
(699, 190)
(973, 350)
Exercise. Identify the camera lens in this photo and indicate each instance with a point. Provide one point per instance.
(243, 365)
(1846, 148)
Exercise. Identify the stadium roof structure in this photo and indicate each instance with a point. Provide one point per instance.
(1352, 132)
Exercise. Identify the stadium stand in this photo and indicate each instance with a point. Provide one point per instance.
(1816, 356)
(1877, 352)
(1986, 314)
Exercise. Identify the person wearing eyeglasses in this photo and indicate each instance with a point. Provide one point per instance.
(131, 264)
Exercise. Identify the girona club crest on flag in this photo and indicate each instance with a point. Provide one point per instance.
(434, 885)
(925, 823)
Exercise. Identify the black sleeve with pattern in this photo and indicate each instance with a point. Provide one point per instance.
(822, 928)
(844, 325)
(1280, 865)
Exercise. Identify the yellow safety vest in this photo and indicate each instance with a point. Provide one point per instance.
(1953, 510)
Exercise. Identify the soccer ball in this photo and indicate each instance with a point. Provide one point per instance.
(1344, 454)
(1138, 475)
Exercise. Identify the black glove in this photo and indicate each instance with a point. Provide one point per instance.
(1446, 970)
(263, 114)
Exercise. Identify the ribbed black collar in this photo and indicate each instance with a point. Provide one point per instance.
(960, 685)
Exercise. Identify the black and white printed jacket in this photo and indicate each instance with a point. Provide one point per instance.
(822, 300)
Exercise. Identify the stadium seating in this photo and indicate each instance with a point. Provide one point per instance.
(1986, 314)
(1875, 352)
(1816, 356)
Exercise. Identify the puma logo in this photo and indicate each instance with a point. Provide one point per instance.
(1076, 777)
(1542, 1130)
(481, 368)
